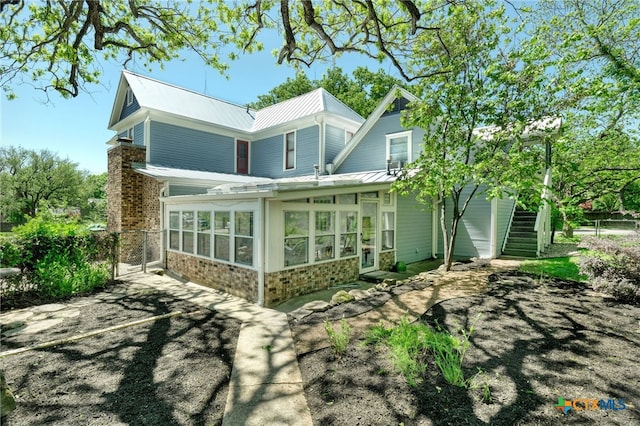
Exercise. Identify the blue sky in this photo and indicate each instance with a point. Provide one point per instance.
(77, 128)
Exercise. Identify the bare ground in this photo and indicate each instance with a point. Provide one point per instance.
(174, 370)
(536, 341)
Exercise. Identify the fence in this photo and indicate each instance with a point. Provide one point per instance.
(138, 250)
(600, 227)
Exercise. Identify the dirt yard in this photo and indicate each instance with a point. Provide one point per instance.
(172, 371)
(536, 341)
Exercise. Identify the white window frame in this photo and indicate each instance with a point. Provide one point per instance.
(295, 148)
(129, 96)
(248, 154)
(408, 135)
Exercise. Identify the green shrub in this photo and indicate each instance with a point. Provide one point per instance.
(339, 339)
(59, 258)
(9, 253)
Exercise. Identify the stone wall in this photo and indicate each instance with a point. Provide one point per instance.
(232, 279)
(283, 285)
(387, 260)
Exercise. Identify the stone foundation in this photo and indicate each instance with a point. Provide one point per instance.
(232, 279)
(387, 260)
(284, 285)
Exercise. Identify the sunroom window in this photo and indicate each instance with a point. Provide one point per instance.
(325, 235)
(204, 234)
(244, 238)
(174, 230)
(348, 233)
(187, 231)
(221, 235)
(296, 238)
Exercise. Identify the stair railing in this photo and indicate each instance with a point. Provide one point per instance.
(543, 218)
(506, 235)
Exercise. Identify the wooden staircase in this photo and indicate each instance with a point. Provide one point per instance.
(523, 239)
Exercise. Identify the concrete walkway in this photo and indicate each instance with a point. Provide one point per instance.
(266, 385)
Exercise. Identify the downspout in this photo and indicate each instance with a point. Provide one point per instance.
(435, 227)
(163, 243)
(321, 142)
(261, 249)
(147, 138)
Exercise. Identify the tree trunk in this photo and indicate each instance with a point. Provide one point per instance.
(445, 237)
(567, 229)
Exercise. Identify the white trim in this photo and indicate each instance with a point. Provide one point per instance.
(147, 138)
(393, 94)
(398, 135)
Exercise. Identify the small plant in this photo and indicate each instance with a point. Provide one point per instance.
(487, 398)
(449, 351)
(613, 266)
(339, 339)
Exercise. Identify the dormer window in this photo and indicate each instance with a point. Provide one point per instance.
(290, 151)
(399, 147)
(129, 96)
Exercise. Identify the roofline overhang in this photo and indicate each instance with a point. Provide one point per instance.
(395, 92)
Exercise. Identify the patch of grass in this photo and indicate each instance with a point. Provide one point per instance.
(408, 343)
(565, 268)
(561, 239)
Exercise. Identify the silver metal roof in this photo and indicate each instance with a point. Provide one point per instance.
(311, 103)
(165, 97)
(306, 182)
(196, 176)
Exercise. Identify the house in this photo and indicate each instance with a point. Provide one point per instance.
(270, 204)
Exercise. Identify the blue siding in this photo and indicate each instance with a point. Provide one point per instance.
(138, 134)
(128, 110)
(474, 229)
(413, 227)
(186, 190)
(505, 210)
(181, 147)
(334, 142)
(267, 155)
(370, 153)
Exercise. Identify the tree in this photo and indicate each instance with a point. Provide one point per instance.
(291, 88)
(489, 81)
(93, 197)
(59, 44)
(596, 59)
(30, 180)
(362, 93)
